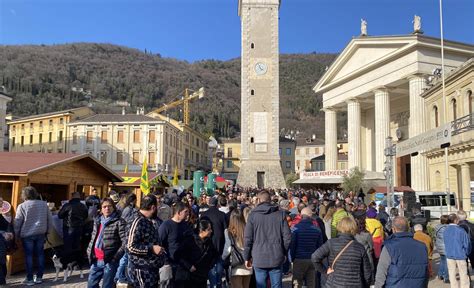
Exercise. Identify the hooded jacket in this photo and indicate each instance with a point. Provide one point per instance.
(267, 236)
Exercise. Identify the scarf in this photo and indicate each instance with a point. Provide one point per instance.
(99, 243)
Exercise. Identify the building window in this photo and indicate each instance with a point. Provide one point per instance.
(279, 151)
(197, 157)
(22, 141)
(136, 158)
(166, 138)
(119, 158)
(186, 154)
(454, 109)
(74, 138)
(13, 141)
(31, 125)
(22, 126)
(50, 122)
(89, 137)
(469, 97)
(197, 142)
(136, 136)
(151, 157)
(230, 164)
(252, 45)
(50, 137)
(151, 136)
(435, 116)
(187, 137)
(307, 164)
(60, 137)
(61, 121)
(288, 151)
(288, 164)
(103, 137)
(41, 124)
(120, 136)
(229, 152)
(316, 150)
(13, 128)
(103, 156)
(31, 139)
(40, 138)
(252, 92)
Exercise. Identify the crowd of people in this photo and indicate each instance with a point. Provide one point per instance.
(242, 238)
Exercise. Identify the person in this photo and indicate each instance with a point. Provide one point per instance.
(375, 229)
(6, 236)
(363, 237)
(417, 217)
(74, 215)
(439, 244)
(234, 248)
(338, 215)
(457, 247)
(328, 220)
(107, 245)
(305, 239)
(129, 213)
(403, 261)
(352, 267)
(164, 208)
(204, 254)
(176, 237)
(219, 224)
(383, 216)
(93, 203)
(32, 222)
(146, 256)
(469, 228)
(267, 239)
(425, 239)
(323, 207)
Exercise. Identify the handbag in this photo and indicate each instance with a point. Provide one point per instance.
(236, 258)
(331, 267)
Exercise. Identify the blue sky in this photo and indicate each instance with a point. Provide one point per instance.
(210, 29)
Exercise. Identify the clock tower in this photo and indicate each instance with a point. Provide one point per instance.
(260, 158)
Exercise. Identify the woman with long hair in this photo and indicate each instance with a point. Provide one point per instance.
(328, 220)
(363, 237)
(234, 248)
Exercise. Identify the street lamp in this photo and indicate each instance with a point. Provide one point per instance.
(390, 151)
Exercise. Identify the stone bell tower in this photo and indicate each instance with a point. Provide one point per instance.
(260, 159)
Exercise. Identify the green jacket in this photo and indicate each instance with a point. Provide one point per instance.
(338, 215)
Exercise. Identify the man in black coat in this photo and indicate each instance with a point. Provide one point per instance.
(267, 239)
(74, 215)
(219, 224)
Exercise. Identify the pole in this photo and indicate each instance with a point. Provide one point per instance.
(446, 165)
(389, 170)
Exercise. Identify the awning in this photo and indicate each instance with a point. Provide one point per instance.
(337, 180)
(383, 189)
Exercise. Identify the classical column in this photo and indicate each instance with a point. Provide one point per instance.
(382, 126)
(331, 139)
(465, 195)
(353, 125)
(417, 125)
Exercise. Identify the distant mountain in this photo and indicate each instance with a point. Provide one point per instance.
(48, 78)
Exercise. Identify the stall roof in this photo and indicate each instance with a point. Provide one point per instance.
(25, 163)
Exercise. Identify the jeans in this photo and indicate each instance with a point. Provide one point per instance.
(443, 267)
(121, 274)
(72, 239)
(34, 245)
(100, 270)
(215, 274)
(275, 274)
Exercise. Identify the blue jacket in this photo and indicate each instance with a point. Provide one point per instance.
(409, 261)
(457, 244)
(305, 239)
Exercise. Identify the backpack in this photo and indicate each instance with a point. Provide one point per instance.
(236, 254)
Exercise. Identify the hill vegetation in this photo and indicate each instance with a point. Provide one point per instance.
(48, 78)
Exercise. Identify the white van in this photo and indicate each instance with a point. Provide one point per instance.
(435, 202)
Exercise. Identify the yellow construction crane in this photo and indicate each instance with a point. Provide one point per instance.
(185, 101)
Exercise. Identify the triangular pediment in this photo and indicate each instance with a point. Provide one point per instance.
(362, 54)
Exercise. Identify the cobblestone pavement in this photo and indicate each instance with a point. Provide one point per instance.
(76, 282)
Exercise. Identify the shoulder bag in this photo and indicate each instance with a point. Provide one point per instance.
(331, 268)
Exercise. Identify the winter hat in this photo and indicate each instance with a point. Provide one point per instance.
(371, 213)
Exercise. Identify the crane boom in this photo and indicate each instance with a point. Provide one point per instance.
(185, 101)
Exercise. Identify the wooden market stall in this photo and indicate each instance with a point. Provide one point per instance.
(131, 183)
(55, 176)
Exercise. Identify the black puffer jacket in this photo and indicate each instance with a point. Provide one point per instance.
(267, 236)
(114, 239)
(352, 269)
(73, 213)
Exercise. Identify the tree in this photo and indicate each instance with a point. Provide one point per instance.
(290, 178)
(354, 181)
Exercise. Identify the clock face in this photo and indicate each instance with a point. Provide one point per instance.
(261, 68)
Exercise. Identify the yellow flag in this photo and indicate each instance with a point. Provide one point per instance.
(144, 183)
(126, 168)
(175, 177)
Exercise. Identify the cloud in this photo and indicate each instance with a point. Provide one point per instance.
(13, 12)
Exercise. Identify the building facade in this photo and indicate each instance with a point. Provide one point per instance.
(459, 87)
(319, 163)
(379, 81)
(4, 99)
(307, 149)
(45, 133)
(121, 141)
